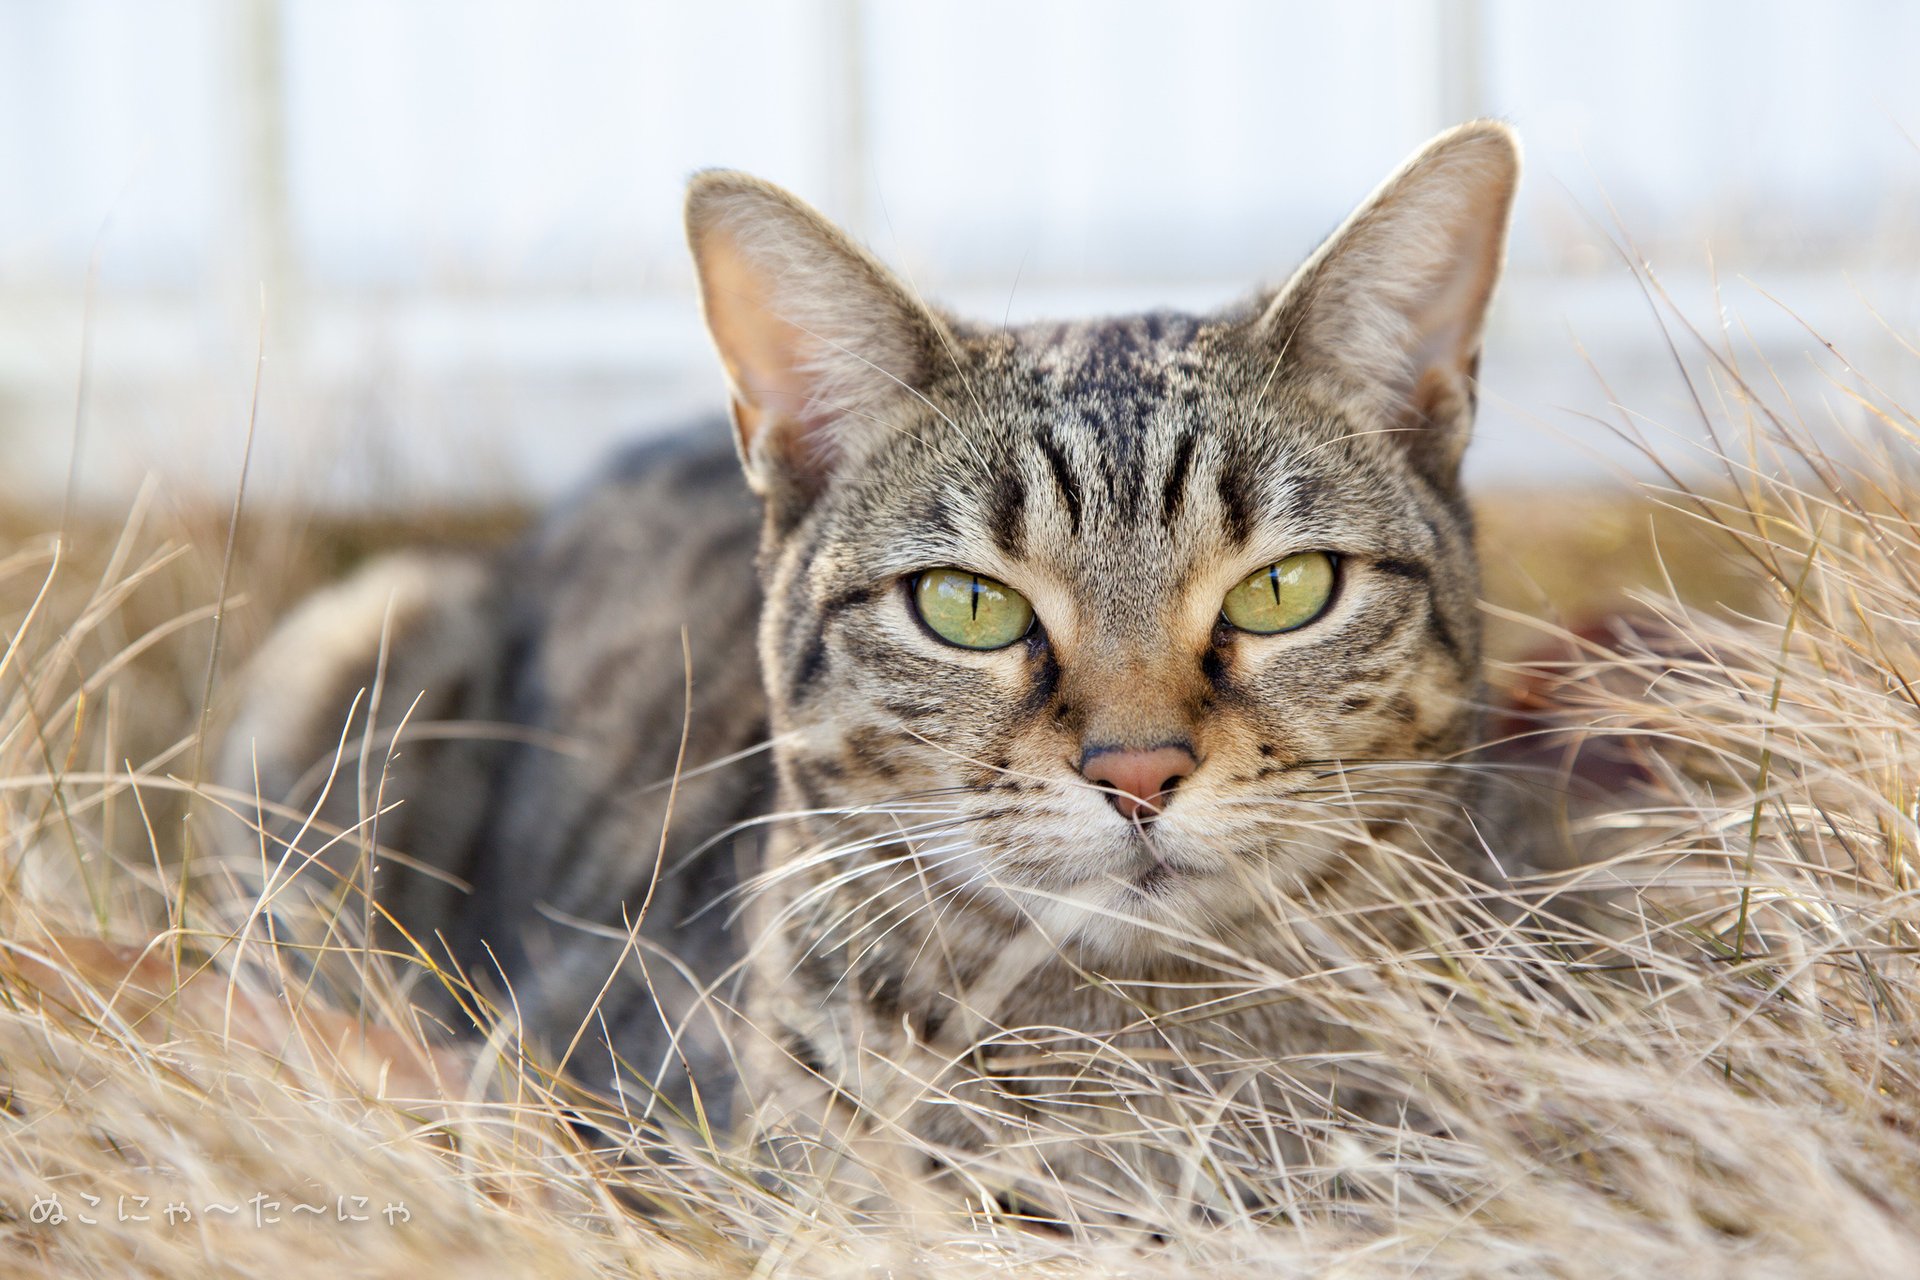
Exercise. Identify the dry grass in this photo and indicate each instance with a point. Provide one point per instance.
(1690, 1052)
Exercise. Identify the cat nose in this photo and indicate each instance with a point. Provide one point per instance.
(1138, 781)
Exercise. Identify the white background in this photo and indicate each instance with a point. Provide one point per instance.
(463, 215)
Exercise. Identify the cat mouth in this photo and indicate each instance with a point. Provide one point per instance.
(1156, 878)
(1152, 868)
(1155, 873)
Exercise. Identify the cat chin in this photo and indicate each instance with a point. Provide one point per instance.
(1121, 921)
(1122, 898)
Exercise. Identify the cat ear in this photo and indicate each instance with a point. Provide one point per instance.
(817, 337)
(1392, 305)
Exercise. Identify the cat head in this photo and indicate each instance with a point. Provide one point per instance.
(1105, 618)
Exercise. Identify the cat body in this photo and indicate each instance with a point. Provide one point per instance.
(538, 695)
(1044, 885)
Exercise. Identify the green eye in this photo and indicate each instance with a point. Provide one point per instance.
(971, 611)
(1282, 596)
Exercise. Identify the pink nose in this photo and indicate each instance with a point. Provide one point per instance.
(1137, 782)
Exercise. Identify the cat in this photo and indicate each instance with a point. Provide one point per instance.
(1038, 684)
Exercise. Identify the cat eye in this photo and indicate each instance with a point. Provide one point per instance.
(968, 610)
(1287, 594)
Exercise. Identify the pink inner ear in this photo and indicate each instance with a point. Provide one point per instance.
(817, 337)
(778, 417)
(763, 352)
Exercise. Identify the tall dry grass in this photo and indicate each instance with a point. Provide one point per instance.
(1678, 1040)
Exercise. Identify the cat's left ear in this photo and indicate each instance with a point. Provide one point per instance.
(820, 342)
(1392, 305)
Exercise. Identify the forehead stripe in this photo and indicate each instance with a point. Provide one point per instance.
(1174, 491)
(1007, 512)
(1062, 477)
(1236, 506)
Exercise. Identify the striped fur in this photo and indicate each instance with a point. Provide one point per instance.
(935, 873)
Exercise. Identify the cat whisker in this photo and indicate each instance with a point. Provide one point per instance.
(828, 886)
(1071, 780)
(880, 808)
(808, 863)
(823, 932)
(740, 894)
(925, 900)
(975, 761)
(1382, 785)
(854, 962)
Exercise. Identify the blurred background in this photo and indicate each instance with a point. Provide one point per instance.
(458, 220)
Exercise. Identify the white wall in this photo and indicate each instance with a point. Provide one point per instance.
(463, 214)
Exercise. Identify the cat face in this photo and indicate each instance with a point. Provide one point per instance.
(1226, 571)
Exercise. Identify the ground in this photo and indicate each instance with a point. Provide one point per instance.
(1695, 1057)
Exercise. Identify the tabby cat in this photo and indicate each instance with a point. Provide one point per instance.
(1036, 687)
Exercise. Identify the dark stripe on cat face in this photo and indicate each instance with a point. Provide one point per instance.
(1007, 514)
(1303, 496)
(1416, 572)
(1234, 482)
(1214, 667)
(871, 750)
(1404, 569)
(1046, 681)
(850, 598)
(931, 514)
(809, 666)
(1062, 477)
(1113, 375)
(1173, 491)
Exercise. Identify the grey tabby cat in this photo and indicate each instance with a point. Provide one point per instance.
(1065, 644)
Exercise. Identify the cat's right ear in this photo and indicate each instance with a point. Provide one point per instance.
(1390, 309)
(819, 340)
